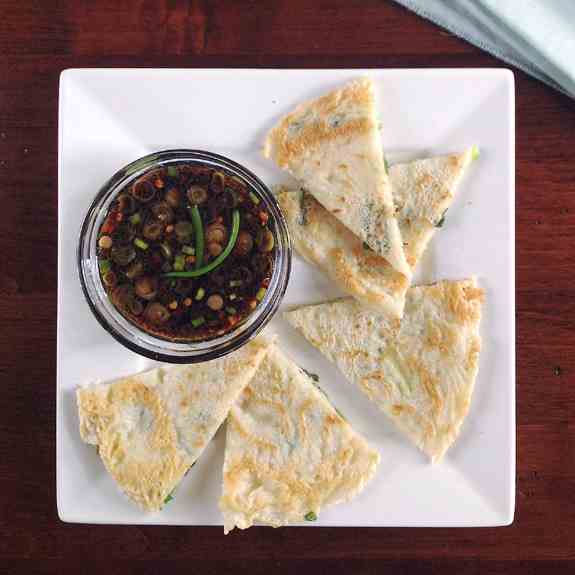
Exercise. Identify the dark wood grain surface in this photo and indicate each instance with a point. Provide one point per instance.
(40, 38)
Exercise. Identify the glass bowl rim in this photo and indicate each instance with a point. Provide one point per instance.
(144, 343)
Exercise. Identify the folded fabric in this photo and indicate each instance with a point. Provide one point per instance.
(536, 36)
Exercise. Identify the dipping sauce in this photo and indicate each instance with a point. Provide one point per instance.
(186, 252)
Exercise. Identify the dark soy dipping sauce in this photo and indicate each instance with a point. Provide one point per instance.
(184, 220)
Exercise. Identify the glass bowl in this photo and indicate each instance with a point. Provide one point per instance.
(131, 335)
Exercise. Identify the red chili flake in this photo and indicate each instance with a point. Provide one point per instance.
(108, 226)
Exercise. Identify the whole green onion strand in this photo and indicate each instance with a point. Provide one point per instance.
(199, 236)
(217, 261)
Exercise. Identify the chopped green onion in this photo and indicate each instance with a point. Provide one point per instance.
(313, 376)
(217, 261)
(254, 198)
(474, 152)
(198, 321)
(140, 244)
(105, 266)
(441, 221)
(135, 219)
(386, 164)
(172, 171)
(169, 498)
(261, 294)
(236, 283)
(338, 411)
(311, 516)
(200, 294)
(231, 310)
(189, 250)
(199, 235)
(232, 296)
(179, 262)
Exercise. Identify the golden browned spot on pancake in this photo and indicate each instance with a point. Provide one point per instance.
(312, 135)
(472, 358)
(463, 302)
(332, 419)
(474, 293)
(441, 336)
(399, 409)
(429, 383)
(355, 354)
(454, 161)
(236, 470)
(423, 182)
(305, 406)
(375, 386)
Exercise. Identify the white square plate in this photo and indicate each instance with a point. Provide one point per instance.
(111, 117)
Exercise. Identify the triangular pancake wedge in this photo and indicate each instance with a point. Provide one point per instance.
(288, 451)
(421, 371)
(151, 427)
(425, 189)
(333, 147)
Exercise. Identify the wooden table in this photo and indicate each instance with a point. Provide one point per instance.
(38, 39)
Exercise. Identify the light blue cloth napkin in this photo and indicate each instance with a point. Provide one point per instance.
(537, 36)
